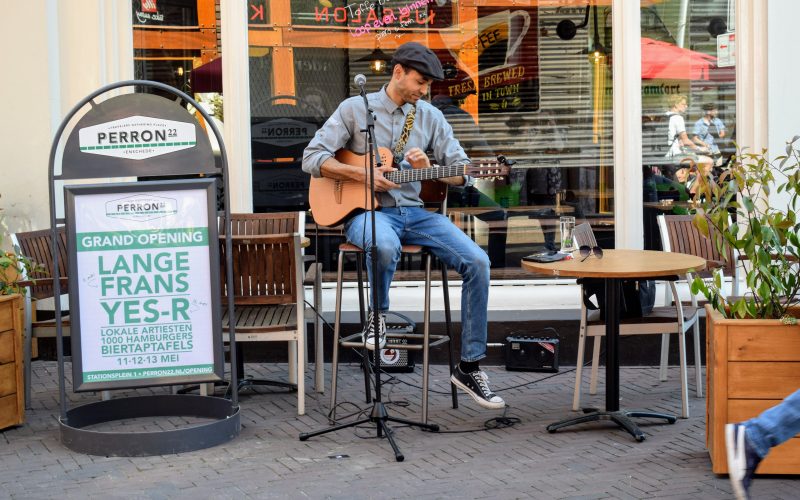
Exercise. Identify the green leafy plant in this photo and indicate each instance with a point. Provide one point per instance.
(735, 212)
(11, 261)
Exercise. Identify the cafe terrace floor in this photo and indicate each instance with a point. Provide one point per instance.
(462, 461)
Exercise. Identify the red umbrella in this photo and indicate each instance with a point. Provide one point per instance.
(208, 77)
(669, 62)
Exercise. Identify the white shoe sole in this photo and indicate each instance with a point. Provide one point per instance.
(730, 449)
(371, 345)
(485, 404)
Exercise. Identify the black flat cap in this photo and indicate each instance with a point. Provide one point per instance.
(420, 58)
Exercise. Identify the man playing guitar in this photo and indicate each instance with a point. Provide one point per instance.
(409, 127)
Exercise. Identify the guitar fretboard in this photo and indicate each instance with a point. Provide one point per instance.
(424, 174)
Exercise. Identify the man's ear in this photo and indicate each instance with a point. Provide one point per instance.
(397, 71)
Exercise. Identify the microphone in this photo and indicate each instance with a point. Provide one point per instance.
(360, 80)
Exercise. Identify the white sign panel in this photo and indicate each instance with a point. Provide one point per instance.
(137, 137)
(283, 132)
(726, 50)
(144, 285)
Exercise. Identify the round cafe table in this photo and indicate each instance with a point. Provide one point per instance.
(615, 266)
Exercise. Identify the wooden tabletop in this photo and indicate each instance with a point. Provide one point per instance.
(621, 264)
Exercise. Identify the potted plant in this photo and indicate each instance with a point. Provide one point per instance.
(11, 261)
(753, 341)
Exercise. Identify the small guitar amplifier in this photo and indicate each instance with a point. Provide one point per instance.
(531, 354)
(393, 358)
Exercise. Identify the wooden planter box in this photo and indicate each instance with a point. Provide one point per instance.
(751, 366)
(12, 404)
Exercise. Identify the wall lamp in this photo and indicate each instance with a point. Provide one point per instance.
(566, 29)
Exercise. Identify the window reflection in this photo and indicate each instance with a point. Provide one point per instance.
(688, 103)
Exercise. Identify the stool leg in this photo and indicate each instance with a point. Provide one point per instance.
(426, 338)
(362, 312)
(336, 326)
(448, 324)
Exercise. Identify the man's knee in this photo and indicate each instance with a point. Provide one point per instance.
(388, 252)
(478, 263)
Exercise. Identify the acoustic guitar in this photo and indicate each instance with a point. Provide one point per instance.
(332, 201)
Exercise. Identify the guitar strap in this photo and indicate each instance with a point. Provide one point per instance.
(401, 142)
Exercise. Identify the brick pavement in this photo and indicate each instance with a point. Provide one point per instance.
(267, 460)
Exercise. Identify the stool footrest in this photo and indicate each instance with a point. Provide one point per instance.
(434, 340)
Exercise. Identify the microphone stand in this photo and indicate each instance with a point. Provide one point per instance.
(379, 415)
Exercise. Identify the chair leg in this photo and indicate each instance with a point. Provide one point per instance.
(698, 359)
(684, 377)
(295, 354)
(662, 371)
(336, 326)
(426, 338)
(448, 324)
(301, 356)
(664, 364)
(319, 348)
(28, 347)
(576, 395)
(595, 365)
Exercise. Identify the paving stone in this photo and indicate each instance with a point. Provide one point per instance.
(465, 460)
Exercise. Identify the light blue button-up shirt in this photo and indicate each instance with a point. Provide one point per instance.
(431, 133)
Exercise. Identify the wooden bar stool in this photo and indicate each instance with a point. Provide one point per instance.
(415, 341)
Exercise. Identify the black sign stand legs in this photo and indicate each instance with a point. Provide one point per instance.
(379, 414)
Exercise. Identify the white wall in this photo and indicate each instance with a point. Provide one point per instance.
(54, 54)
(783, 75)
(26, 125)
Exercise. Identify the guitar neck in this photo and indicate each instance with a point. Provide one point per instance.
(425, 174)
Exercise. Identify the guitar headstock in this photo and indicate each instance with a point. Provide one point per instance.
(496, 169)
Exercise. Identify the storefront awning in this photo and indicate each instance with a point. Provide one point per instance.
(665, 61)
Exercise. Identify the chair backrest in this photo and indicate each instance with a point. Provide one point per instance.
(36, 246)
(264, 257)
(265, 269)
(584, 236)
(263, 223)
(678, 234)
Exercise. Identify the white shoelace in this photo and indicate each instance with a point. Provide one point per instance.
(483, 382)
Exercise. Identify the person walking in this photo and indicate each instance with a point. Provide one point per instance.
(748, 443)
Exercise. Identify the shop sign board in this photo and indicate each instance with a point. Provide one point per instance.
(726, 50)
(144, 284)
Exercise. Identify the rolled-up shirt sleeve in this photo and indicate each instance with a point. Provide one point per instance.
(333, 136)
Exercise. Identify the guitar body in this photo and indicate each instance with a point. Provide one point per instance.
(333, 201)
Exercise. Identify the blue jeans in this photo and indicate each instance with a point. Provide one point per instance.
(417, 226)
(775, 425)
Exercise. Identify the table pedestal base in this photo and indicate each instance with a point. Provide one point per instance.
(621, 417)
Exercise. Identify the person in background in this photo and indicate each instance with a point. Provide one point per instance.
(748, 443)
(410, 127)
(709, 128)
(682, 149)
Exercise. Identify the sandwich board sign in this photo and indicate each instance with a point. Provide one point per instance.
(144, 283)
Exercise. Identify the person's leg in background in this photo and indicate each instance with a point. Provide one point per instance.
(748, 443)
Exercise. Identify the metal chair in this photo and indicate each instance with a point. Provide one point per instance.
(282, 223)
(678, 234)
(268, 296)
(663, 320)
(36, 245)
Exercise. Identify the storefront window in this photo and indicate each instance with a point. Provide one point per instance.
(177, 42)
(688, 102)
(515, 84)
